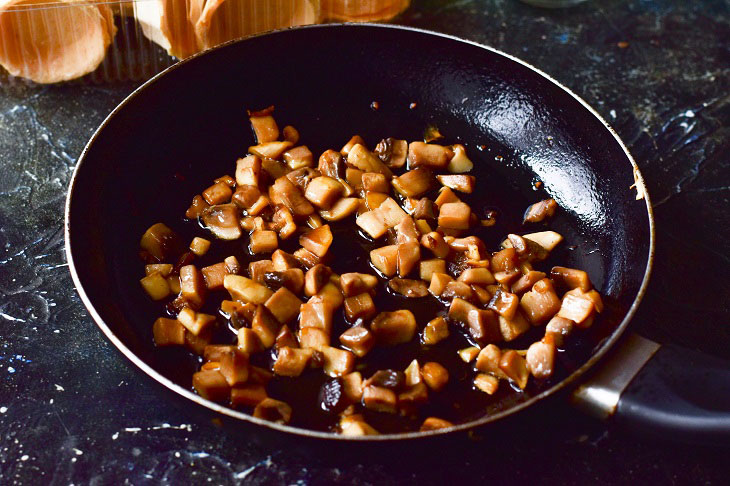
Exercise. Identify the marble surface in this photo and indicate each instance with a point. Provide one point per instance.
(73, 411)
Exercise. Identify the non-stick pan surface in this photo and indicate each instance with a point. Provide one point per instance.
(188, 125)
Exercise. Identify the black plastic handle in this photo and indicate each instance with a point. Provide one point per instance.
(679, 394)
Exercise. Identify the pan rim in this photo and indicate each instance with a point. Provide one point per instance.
(604, 347)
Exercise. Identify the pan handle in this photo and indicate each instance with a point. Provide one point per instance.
(666, 391)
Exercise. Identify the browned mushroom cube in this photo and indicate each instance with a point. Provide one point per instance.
(291, 134)
(159, 241)
(248, 395)
(439, 281)
(356, 139)
(540, 359)
(222, 221)
(359, 307)
(218, 193)
(323, 192)
(331, 294)
(428, 267)
(435, 375)
(258, 270)
(292, 279)
(168, 332)
(283, 191)
(379, 399)
(396, 327)
(557, 329)
(455, 215)
(163, 269)
(413, 183)
(337, 362)
(192, 285)
(270, 150)
(461, 183)
(156, 286)
(246, 196)
(483, 325)
(476, 276)
(282, 261)
(435, 331)
(361, 158)
(316, 278)
(211, 385)
(408, 255)
(306, 258)
(284, 305)
(505, 304)
(408, 287)
(292, 361)
(541, 210)
(263, 241)
(195, 322)
(313, 337)
(435, 242)
(357, 283)
(446, 195)
(486, 383)
(372, 223)
(571, 278)
(459, 163)
(359, 340)
(513, 327)
(199, 246)
(233, 362)
(488, 361)
(391, 212)
(385, 259)
(265, 325)
(249, 341)
(196, 208)
(434, 156)
(526, 281)
(413, 374)
(317, 240)
(352, 386)
(273, 411)
(243, 311)
(514, 367)
(244, 289)
(355, 426)
(468, 354)
(299, 157)
(435, 423)
(541, 303)
(285, 338)
(577, 308)
(375, 182)
(316, 314)
(197, 344)
(248, 171)
(213, 276)
(264, 127)
(457, 289)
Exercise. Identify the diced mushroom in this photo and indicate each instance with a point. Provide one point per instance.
(547, 239)
(413, 374)
(557, 329)
(313, 337)
(302, 177)
(435, 375)
(504, 304)
(198, 343)
(192, 286)
(406, 231)
(298, 157)
(446, 196)
(199, 246)
(435, 423)
(211, 385)
(454, 215)
(459, 163)
(541, 359)
(233, 362)
(354, 140)
(439, 281)
(341, 209)
(408, 255)
(514, 367)
(163, 269)
(248, 171)
(461, 183)
(357, 283)
(337, 362)
(513, 327)
(355, 426)
(391, 213)
(571, 278)
(469, 354)
(358, 339)
(270, 150)
(379, 399)
(318, 240)
(222, 221)
(218, 193)
(482, 294)
(435, 242)
(413, 396)
(486, 383)
(248, 341)
(248, 395)
(372, 223)
(488, 361)
(457, 289)
(285, 338)
(291, 134)
(435, 331)
(540, 211)
(385, 260)
(413, 183)
(292, 279)
(476, 276)
(316, 314)
(392, 328)
(264, 127)
(168, 332)
(434, 156)
(428, 267)
(156, 286)
(273, 411)
(160, 241)
(263, 241)
(483, 325)
(196, 208)
(316, 278)
(392, 152)
(331, 294)
(258, 270)
(354, 177)
(541, 303)
(323, 192)
(359, 307)
(375, 182)
(266, 326)
(284, 305)
(282, 261)
(408, 287)
(526, 281)
(360, 158)
(283, 191)
(292, 361)
(213, 275)
(306, 258)
(577, 308)
(246, 290)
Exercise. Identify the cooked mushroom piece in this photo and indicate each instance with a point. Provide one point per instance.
(505, 304)
(413, 183)
(355, 426)
(435, 331)
(160, 241)
(577, 308)
(526, 281)
(359, 307)
(434, 156)
(312, 337)
(298, 157)
(192, 286)
(540, 211)
(246, 290)
(540, 359)
(222, 221)
(392, 152)
(385, 260)
(361, 158)
(292, 361)
(263, 241)
(248, 341)
(513, 327)
(270, 150)
(435, 375)
(459, 162)
(168, 332)
(428, 267)
(248, 171)
(248, 395)
(273, 411)
(461, 183)
(476, 276)
(571, 278)
(218, 193)
(196, 208)
(357, 283)
(337, 362)
(232, 362)
(392, 328)
(541, 303)
(318, 240)
(455, 215)
(439, 281)
(358, 339)
(283, 191)
(284, 305)
(264, 127)
(408, 287)
(323, 192)
(379, 399)
(156, 286)
(469, 354)
(375, 182)
(408, 255)
(316, 314)
(211, 385)
(514, 367)
(483, 325)
(341, 209)
(486, 383)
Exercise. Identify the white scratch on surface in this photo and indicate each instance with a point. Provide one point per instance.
(78, 451)
(11, 369)
(3, 409)
(10, 318)
(115, 436)
(132, 430)
(59, 388)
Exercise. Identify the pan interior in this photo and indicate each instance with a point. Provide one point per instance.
(171, 138)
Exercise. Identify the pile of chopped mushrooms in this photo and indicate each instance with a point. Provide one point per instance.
(284, 306)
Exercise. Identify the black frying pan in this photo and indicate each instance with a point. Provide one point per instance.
(188, 125)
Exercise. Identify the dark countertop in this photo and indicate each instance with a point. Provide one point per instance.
(73, 411)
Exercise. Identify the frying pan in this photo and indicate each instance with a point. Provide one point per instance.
(187, 125)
